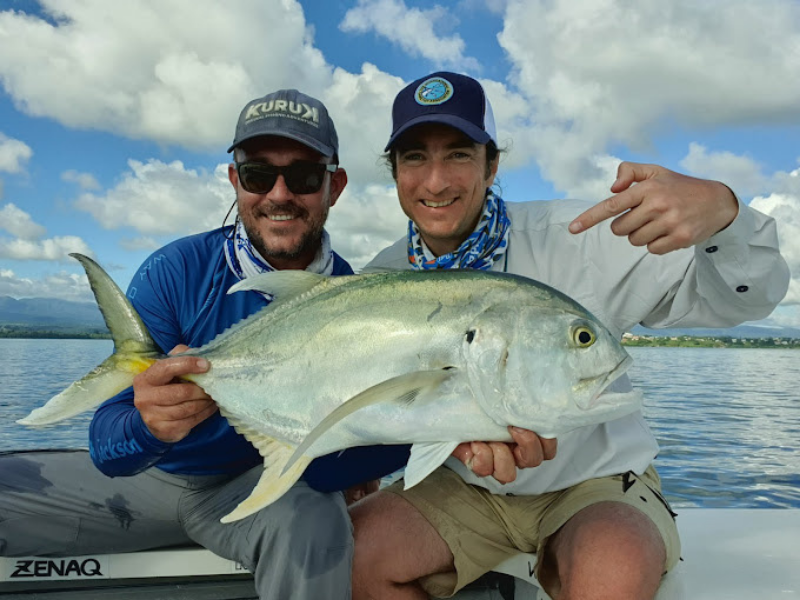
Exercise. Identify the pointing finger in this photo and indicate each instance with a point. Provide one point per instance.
(610, 207)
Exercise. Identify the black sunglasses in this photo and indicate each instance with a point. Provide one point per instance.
(301, 177)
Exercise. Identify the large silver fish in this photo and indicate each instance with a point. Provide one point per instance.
(432, 359)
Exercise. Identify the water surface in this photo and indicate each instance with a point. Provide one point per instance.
(727, 420)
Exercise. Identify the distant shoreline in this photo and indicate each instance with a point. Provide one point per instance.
(39, 333)
(631, 340)
(688, 341)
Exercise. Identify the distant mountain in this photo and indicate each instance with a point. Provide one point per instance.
(741, 331)
(49, 313)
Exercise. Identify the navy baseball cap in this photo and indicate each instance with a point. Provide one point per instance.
(447, 98)
(290, 114)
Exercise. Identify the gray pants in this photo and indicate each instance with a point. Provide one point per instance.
(58, 504)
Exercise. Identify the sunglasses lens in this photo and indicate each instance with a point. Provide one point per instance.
(257, 179)
(304, 178)
(300, 177)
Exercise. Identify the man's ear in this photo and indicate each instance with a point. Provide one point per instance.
(233, 176)
(493, 166)
(338, 183)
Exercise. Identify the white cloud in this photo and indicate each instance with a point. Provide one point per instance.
(86, 181)
(52, 249)
(156, 198)
(26, 243)
(741, 173)
(415, 30)
(19, 223)
(599, 72)
(13, 154)
(176, 73)
(784, 206)
(139, 243)
(363, 117)
(364, 221)
(63, 285)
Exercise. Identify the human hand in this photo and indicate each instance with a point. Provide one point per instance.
(362, 490)
(664, 211)
(171, 408)
(501, 459)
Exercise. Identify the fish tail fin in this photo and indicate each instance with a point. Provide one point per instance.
(273, 483)
(134, 351)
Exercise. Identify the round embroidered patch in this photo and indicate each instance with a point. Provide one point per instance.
(435, 90)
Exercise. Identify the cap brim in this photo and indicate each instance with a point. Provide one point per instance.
(323, 149)
(475, 133)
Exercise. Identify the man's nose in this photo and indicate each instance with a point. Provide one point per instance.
(280, 192)
(437, 180)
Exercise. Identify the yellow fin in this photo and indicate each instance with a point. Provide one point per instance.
(273, 482)
(403, 389)
(107, 380)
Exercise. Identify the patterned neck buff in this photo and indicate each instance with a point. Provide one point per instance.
(484, 247)
(245, 261)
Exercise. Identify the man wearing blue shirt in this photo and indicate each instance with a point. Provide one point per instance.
(169, 466)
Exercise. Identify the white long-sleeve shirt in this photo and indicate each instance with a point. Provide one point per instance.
(736, 275)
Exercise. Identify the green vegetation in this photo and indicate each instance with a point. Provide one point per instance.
(54, 333)
(687, 341)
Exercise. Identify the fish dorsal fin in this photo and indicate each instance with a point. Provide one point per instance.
(274, 482)
(283, 285)
(403, 389)
(425, 459)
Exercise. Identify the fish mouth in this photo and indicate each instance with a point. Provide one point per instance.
(623, 366)
(605, 380)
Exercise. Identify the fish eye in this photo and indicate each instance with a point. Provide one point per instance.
(583, 336)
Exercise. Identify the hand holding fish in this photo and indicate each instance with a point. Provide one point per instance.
(476, 348)
(664, 211)
(501, 460)
(171, 408)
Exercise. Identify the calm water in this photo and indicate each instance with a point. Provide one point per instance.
(728, 420)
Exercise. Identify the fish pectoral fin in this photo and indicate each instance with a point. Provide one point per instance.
(425, 459)
(403, 389)
(283, 285)
(273, 483)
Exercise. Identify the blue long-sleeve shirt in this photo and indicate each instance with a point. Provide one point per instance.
(180, 292)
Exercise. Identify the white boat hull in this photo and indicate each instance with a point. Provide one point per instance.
(727, 554)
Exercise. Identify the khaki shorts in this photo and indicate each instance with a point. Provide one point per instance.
(483, 529)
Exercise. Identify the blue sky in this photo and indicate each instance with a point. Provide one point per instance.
(115, 117)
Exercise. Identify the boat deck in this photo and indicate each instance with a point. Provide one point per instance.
(727, 554)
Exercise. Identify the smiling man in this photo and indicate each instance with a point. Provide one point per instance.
(169, 466)
(680, 252)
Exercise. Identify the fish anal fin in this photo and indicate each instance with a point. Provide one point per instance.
(425, 459)
(273, 482)
(404, 389)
